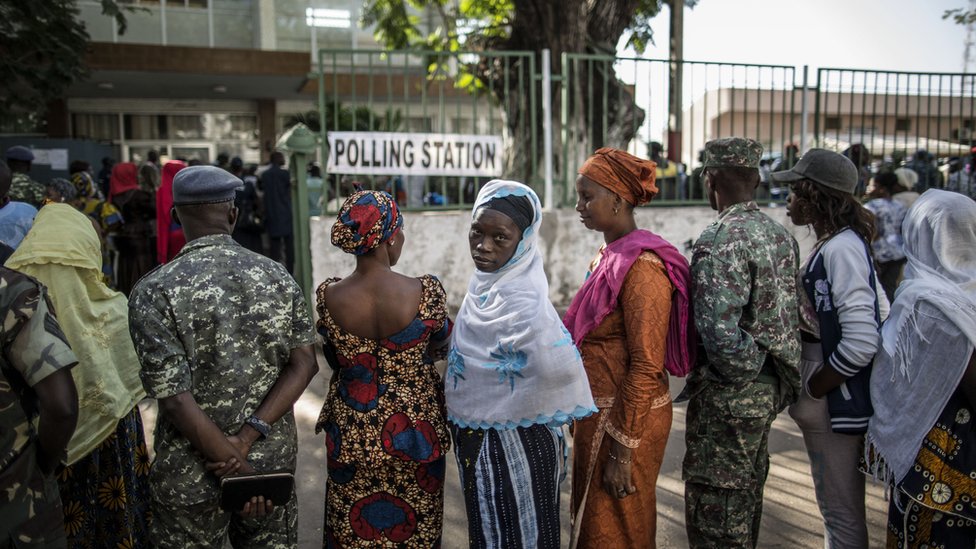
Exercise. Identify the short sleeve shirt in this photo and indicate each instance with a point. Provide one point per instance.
(33, 348)
(220, 322)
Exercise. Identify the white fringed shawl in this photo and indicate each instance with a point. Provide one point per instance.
(931, 332)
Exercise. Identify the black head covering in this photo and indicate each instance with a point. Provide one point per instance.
(517, 208)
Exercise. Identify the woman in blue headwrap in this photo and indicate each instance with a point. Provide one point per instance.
(383, 417)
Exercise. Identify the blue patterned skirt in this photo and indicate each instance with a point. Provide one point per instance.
(510, 479)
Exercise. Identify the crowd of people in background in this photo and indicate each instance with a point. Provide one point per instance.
(172, 281)
(130, 205)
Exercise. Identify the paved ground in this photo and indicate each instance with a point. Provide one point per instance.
(790, 515)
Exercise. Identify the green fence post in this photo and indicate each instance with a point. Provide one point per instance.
(299, 142)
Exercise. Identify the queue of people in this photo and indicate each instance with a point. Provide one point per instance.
(133, 214)
(222, 339)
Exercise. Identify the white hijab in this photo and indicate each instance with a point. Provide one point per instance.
(512, 363)
(931, 331)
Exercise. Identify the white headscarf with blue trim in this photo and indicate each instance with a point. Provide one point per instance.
(512, 363)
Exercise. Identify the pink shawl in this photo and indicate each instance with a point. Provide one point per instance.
(597, 298)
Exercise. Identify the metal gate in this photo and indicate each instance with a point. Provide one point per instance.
(599, 100)
(431, 92)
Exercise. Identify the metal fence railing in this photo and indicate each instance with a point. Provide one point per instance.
(895, 114)
(718, 100)
(628, 102)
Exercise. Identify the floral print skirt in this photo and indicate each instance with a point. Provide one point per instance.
(105, 495)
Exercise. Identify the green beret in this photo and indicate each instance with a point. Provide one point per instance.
(732, 152)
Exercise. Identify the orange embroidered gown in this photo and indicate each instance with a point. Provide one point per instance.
(624, 360)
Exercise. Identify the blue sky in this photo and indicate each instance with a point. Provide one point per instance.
(905, 35)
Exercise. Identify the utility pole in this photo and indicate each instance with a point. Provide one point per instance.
(675, 79)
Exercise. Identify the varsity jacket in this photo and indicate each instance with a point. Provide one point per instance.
(845, 297)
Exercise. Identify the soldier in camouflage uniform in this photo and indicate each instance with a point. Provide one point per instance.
(743, 272)
(38, 412)
(23, 188)
(225, 341)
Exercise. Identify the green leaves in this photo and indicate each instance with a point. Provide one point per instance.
(42, 49)
(961, 16)
(42, 45)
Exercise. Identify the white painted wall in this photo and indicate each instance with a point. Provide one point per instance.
(437, 243)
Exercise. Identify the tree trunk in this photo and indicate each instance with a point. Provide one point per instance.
(567, 26)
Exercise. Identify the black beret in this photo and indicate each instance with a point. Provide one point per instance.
(18, 152)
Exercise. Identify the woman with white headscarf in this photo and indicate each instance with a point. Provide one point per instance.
(514, 378)
(923, 387)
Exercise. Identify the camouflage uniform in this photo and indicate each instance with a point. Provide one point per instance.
(743, 270)
(25, 189)
(33, 348)
(218, 321)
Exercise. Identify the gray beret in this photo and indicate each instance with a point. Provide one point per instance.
(204, 185)
(18, 152)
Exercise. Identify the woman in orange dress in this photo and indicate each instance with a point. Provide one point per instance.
(630, 320)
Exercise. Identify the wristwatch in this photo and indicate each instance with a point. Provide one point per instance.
(259, 425)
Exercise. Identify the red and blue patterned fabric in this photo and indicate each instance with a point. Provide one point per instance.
(366, 220)
(385, 430)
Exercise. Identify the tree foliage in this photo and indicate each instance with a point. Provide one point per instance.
(42, 49)
(561, 26)
(484, 24)
(960, 16)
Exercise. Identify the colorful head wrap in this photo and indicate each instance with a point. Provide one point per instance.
(84, 184)
(366, 220)
(623, 173)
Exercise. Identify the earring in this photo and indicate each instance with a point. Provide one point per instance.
(615, 211)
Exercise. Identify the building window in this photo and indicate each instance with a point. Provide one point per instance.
(903, 124)
(188, 126)
(100, 127)
(145, 126)
(831, 122)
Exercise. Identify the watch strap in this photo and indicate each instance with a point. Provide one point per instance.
(259, 425)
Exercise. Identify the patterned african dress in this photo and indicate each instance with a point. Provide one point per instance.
(935, 504)
(105, 495)
(385, 430)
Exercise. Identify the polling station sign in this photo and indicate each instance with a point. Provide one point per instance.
(388, 153)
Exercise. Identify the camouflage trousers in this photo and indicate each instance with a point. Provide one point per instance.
(726, 463)
(206, 526)
(30, 505)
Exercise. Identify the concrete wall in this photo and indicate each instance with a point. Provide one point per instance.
(437, 243)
